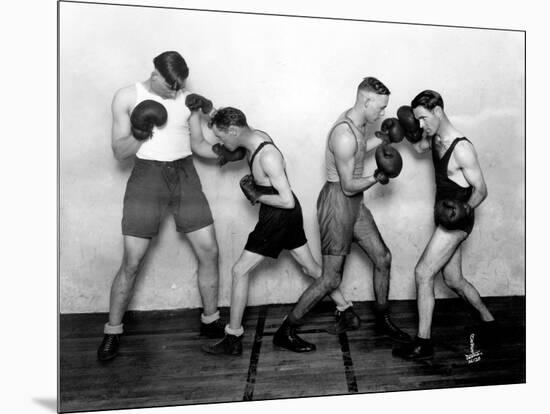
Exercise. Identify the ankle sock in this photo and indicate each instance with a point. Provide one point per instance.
(113, 329)
(234, 332)
(210, 318)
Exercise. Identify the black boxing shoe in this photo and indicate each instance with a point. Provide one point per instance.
(109, 347)
(385, 326)
(346, 320)
(229, 345)
(489, 335)
(286, 337)
(213, 330)
(417, 350)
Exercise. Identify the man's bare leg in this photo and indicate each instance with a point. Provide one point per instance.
(347, 319)
(122, 290)
(437, 253)
(231, 343)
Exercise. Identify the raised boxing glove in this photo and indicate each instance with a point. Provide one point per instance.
(195, 102)
(392, 130)
(225, 155)
(145, 116)
(410, 124)
(388, 162)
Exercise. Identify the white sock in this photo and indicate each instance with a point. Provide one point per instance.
(234, 332)
(343, 308)
(112, 329)
(210, 318)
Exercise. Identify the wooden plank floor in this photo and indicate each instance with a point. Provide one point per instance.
(160, 361)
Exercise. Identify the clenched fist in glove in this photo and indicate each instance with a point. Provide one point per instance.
(249, 188)
(145, 116)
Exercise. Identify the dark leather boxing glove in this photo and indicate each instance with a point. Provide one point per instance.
(249, 188)
(381, 177)
(410, 124)
(195, 102)
(389, 163)
(452, 214)
(145, 116)
(225, 155)
(392, 130)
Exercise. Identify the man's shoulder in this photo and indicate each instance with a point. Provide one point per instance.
(342, 136)
(464, 145)
(126, 94)
(464, 150)
(270, 151)
(270, 154)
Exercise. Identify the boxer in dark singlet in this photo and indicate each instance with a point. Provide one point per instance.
(280, 222)
(447, 189)
(460, 188)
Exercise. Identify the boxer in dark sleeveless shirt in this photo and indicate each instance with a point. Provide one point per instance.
(447, 189)
(460, 188)
(280, 223)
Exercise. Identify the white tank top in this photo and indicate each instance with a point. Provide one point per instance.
(171, 141)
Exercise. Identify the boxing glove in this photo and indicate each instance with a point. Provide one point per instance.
(410, 124)
(225, 155)
(145, 116)
(392, 130)
(249, 188)
(388, 162)
(195, 102)
(452, 214)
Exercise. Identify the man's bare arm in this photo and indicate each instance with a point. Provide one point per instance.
(123, 143)
(466, 157)
(199, 145)
(272, 164)
(344, 146)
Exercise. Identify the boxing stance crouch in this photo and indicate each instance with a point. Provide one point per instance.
(280, 221)
(343, 217)
(460, 188)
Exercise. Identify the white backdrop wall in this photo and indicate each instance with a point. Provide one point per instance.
(292, 77)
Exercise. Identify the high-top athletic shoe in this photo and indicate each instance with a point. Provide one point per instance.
(346, 320)
(229, 345)
(286, 337)
(418, 349)
(109, 347)
(214, 329)
(385, 325)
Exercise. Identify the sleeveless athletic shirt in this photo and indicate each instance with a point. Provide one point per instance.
(171, 141)
(330, 161)
(445, 187)
(263, 189)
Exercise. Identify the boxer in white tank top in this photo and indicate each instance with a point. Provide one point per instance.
(172, 141)
(163, 176)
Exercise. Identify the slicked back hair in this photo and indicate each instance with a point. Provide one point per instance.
(228, 116)
(171, 65)
(428, 99)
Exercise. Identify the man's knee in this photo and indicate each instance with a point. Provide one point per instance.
(313, 271)
(130, 267)
(237, 271)
(454, 282)
(383, 260)
(208, 252)
(331, 280)
(423, 273)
